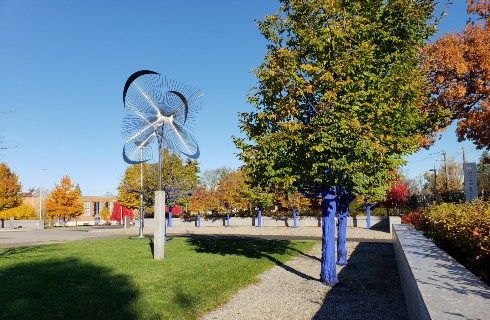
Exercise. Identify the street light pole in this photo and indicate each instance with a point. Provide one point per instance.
(41, 216)
(141, 145)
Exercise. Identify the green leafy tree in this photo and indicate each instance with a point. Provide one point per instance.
(178, 180)
(484, 175)
(339, 99)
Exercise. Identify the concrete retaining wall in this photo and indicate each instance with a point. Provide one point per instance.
(359, 221)
(394, 220)
(19, 224)
(435, 285)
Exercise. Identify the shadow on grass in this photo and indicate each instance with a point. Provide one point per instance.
(17, 250)
(64, 289)
(249, 247)
(369, 287)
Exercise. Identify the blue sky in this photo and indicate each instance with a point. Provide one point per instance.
(63, 65)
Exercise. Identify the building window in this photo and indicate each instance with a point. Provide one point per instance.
(86, 208)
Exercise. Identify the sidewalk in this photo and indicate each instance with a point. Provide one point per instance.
(369, 288)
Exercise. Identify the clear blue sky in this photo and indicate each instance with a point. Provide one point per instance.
(63, 65)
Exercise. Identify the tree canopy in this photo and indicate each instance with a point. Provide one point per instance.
(458, 67)
(340, 95)
(454, 178)
(340, 100)
(22, 212)
(64, 201)
(178, 179)
(484, 175)
(10, 188)
(232, 193)
(397, 195)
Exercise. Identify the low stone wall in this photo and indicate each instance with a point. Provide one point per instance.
(394, 220)
(435, 285)
(19, 224)
(76, 223)
(358, 221)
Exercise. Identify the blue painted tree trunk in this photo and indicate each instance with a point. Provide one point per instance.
(198, 221)
(345, 200)
(227, 220)
(170, 218)
(342, 235)
(368, 214)
(328, 274)
(259, 218)
(295, 225)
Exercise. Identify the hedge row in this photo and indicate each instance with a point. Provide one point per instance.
(462, 230)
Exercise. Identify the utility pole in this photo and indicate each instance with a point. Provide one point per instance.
(435, 183)
(464, 161)
(41, 216)
(446, 173)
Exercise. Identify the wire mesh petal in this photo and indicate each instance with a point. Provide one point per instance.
(158, 108)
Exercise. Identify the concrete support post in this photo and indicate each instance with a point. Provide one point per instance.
(159, 235)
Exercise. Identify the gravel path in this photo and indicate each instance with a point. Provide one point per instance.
(369, 288)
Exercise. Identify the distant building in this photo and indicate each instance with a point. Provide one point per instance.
(92, 205)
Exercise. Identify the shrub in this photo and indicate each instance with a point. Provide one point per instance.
(462, 230)
(416, 219)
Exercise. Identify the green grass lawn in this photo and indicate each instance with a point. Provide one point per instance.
(118, 279)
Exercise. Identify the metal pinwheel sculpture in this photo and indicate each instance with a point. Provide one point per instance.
(158, 109)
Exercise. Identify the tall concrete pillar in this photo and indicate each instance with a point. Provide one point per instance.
(159, 236)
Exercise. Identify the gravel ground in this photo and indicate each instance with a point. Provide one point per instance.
(369, 288)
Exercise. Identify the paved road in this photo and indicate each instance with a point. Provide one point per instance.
(10, 239)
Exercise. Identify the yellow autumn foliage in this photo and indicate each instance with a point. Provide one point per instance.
(21, 212)
(64, 201)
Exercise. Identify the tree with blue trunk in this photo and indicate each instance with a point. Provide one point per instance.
(328, 273)
(259, 217)
(169, 216)
(368, 207)
(344, 200)
(340, 88)
(198, 220)
(295, 224)
(227, 220)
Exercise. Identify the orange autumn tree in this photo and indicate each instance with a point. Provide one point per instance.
(64, 201)
(458, 66)
(10, 189)
(203, 200)
(233, 192)
(294, 200)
